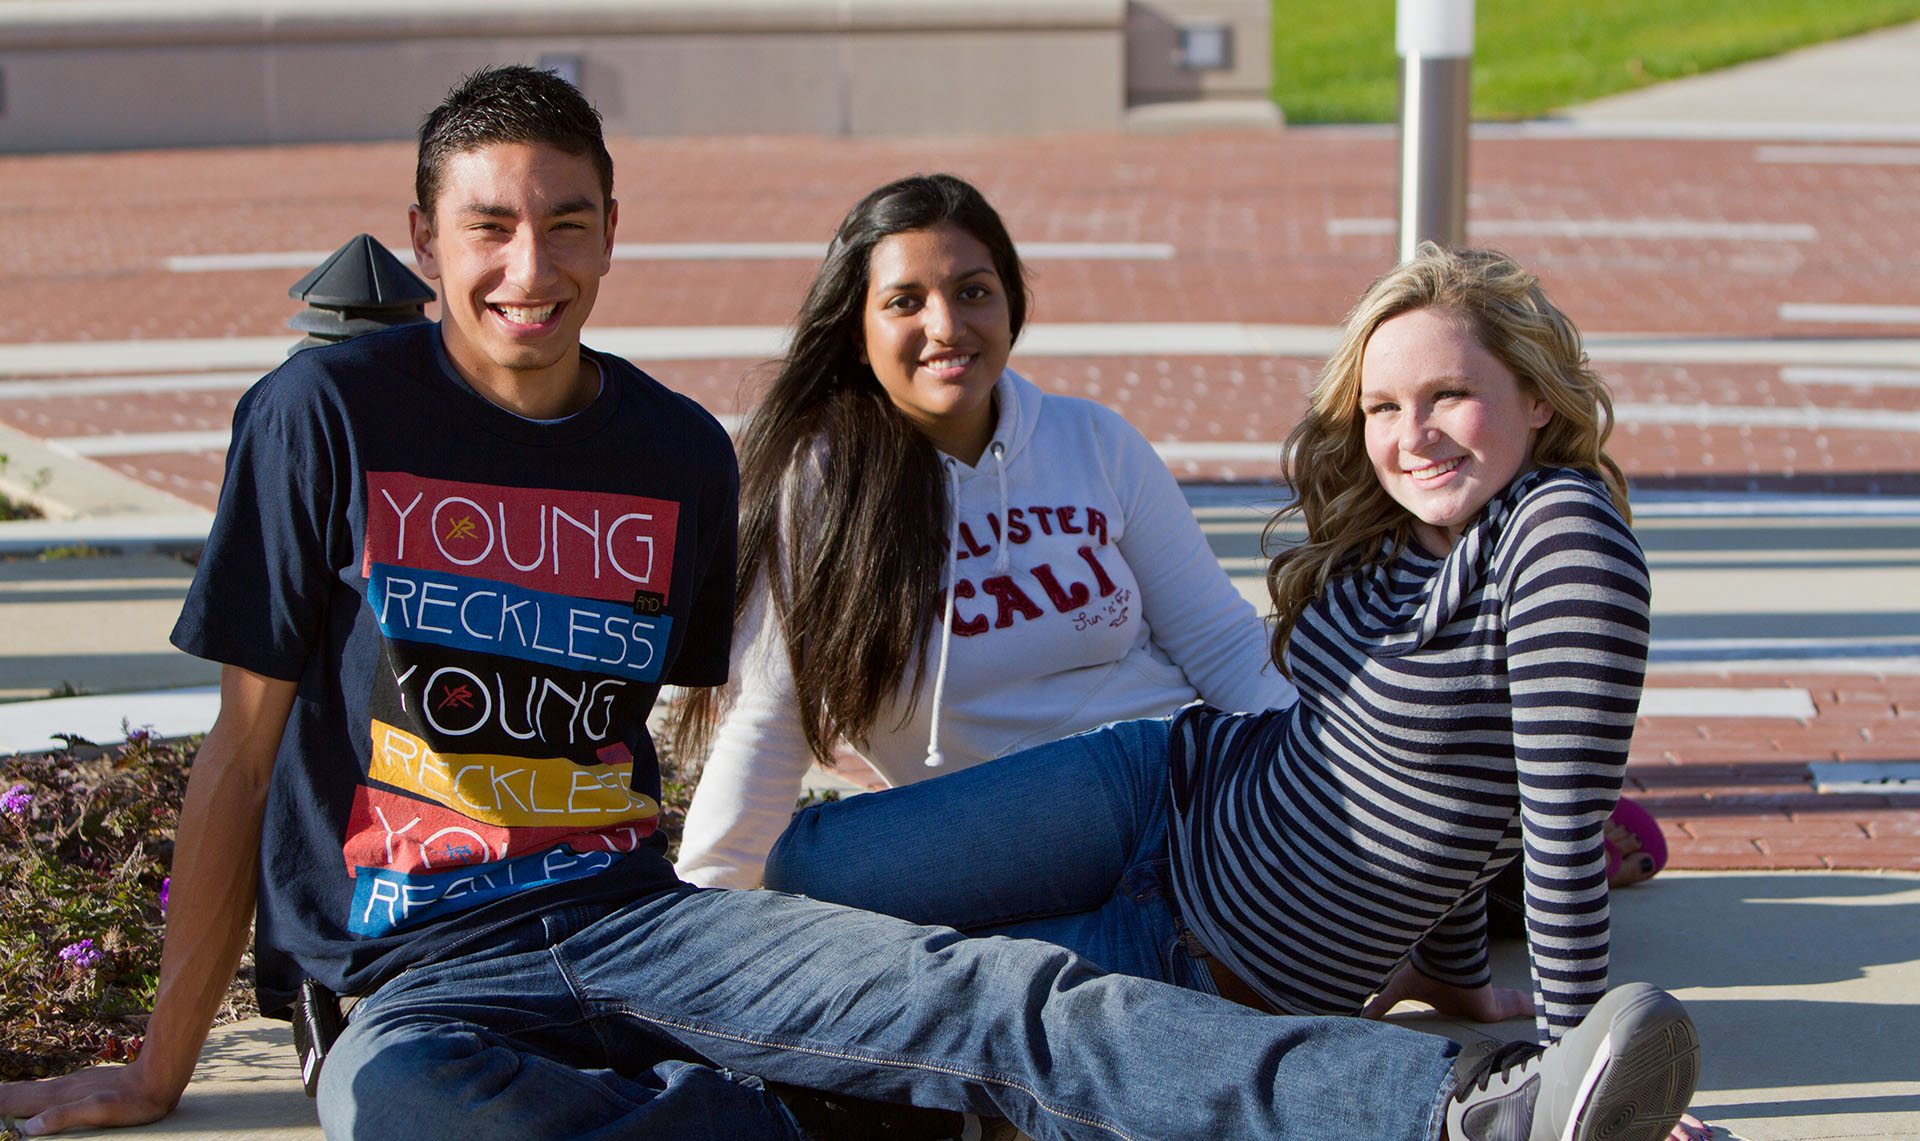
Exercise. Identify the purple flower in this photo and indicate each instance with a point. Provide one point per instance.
(17, 802)
(82, 954)
(165, 884)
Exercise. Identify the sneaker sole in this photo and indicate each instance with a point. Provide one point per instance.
(1642, 1082)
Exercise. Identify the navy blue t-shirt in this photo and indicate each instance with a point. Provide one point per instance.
(479, 610)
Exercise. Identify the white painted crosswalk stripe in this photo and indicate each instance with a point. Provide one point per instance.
(1219, 451)
(1845, 155)
(1118, 339)
(1650, 229)
(1804, 416)
(142, 443)
(1863, 377)
(127, 385)
(1837, 314)
(1709, 701)
(680, 251)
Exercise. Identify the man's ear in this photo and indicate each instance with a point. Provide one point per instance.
(420, 232)
(613, 219)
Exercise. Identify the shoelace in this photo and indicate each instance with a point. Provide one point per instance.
(1508, 1058)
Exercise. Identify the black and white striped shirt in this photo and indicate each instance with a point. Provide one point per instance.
(1453, 712)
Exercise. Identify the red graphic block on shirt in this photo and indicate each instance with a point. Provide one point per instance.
(576, 543)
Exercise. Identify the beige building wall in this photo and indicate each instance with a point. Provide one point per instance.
(92, 74)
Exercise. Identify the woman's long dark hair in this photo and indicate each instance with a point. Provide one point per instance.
(842, 506)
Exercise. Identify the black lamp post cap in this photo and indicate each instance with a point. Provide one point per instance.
(362, 275)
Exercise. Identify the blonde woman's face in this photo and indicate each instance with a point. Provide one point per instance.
(1447, 425)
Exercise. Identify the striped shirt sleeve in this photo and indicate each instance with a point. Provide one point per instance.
(1576, 619)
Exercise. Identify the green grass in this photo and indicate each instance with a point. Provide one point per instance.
(1334, 63)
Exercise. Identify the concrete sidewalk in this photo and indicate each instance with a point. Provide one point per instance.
(88, 625)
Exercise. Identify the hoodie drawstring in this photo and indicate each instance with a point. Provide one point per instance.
(1001, 561)
(934, 757)
(1004, 558)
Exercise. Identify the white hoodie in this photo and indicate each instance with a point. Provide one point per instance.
(1084, 592)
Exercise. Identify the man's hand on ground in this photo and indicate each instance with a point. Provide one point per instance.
(99, 1096)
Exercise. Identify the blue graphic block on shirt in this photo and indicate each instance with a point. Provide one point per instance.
(483, 616)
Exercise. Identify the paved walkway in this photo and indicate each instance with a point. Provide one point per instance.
(1865, 87)
(1743, 253)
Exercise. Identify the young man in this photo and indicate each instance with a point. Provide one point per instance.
(452, 565)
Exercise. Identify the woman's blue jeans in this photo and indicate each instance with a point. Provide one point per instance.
(1065, 842)
(643, 1020)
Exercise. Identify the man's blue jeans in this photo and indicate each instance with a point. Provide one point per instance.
(1065, 842)
(642, 1020)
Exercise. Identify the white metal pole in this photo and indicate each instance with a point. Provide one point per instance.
(1434, 39)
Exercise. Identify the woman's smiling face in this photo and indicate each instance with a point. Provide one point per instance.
(937, 333)
(1448, 426)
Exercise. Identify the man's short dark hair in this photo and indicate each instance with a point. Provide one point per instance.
(512, 104)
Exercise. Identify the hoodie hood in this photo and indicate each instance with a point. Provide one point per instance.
(1016, 407)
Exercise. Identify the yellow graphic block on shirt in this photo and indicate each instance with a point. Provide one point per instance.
(513, 792)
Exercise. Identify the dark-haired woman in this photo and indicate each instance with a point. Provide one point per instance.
(940, 563)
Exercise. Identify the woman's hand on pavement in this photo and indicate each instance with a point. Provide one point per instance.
(1487, 1003)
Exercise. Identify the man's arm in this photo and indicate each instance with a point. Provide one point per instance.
(216, 868)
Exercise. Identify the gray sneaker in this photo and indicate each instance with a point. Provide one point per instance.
(1625, 1074)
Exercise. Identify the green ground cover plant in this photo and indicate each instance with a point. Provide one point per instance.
(1335, 63)
(86, 841)
(86, 837)
(12, 508)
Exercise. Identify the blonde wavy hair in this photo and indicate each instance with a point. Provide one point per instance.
(1349, 516)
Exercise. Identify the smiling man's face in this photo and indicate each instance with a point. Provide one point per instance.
(518, 241)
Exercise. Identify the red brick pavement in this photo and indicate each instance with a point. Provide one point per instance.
(1736, 793)
(1248, 216)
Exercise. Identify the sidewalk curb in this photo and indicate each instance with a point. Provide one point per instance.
(75, 487)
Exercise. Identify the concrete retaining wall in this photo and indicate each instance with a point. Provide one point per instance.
(91, 74)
